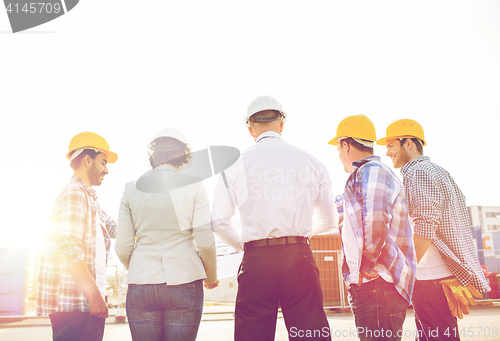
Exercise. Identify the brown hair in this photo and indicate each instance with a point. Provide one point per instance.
(75, 163)
(354, 144)
(171, 151)
(420, 147)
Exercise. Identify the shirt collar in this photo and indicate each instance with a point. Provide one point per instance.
(79, 181)
(410, 164)
(359, 163)
(166, 167)
(268, 134)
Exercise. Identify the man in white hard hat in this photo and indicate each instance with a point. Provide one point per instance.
(448, 272)
(379, 257)
(276, 187)
(72, 267)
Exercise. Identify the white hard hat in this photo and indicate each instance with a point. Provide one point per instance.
(172, 133)
(264, 103)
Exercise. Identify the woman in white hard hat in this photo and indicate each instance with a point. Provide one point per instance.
(165, 241)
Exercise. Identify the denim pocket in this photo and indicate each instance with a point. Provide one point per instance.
(181, 297)
(67, 324)
(396, 306)
(137, 296)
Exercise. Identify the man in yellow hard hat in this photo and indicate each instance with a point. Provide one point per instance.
(379, 257)
(72, 267)
(448, 272)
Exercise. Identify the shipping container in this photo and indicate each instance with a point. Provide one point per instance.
(492, 264)
(493, 282)
(478, 237)
(496, 242)
(13, 284)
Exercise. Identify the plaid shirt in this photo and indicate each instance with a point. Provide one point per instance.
(74, 217)
(377, 209)
(438, 210)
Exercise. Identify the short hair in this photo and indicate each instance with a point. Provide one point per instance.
(171, 151)
(357, 145)
(75, 163)
(265, 113)
(418, 143)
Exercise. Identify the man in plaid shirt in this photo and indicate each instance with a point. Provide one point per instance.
(72, 267)
(447, 260)
(379, 257)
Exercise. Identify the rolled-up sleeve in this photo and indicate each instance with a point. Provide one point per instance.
(71, 225)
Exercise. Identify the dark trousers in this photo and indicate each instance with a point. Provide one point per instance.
(379, 310)
(161, 312)
(432, 315)
(76, 326)
(284, 275)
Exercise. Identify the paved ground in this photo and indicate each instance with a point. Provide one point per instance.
(483, 324)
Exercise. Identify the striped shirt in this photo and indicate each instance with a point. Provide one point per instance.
(74, 218)
(376, 208)
(438, 210)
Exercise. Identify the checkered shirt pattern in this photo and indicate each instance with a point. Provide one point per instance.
(74, 217)
(377, 209)
(439, 212)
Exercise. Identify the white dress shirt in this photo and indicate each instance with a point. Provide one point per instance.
(276, 188)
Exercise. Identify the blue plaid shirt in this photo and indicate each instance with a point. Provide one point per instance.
(377, 209)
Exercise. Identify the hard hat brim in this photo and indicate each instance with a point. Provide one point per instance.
(334, 141)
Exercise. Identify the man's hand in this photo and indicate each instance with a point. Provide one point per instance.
(367, 275)
(98, 307)
(80, 272)
(212, 285)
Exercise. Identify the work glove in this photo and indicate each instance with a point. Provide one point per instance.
(459, 297)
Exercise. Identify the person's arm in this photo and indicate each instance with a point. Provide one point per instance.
(110, 224)
(125, 237)
(421, 245)
(204, 237)
(427, 203)
(377, 185)
(73, 216)
(80, 272)
(224, 208)
(325, 205)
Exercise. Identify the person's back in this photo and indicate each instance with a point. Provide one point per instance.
(276, 187)
(166, 243)
(281, 181)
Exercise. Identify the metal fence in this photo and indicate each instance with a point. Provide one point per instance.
(330, 276)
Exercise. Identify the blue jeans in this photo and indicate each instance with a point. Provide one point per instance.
(379, 310)
(164, 312)
(76, 326)
(432, 315)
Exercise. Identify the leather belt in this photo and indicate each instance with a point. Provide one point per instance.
(276, 241)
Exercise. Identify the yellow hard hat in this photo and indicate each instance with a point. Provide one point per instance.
(89, 140)
(356, 126)
(404, 128)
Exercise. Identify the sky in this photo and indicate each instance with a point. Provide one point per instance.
(126, 69)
